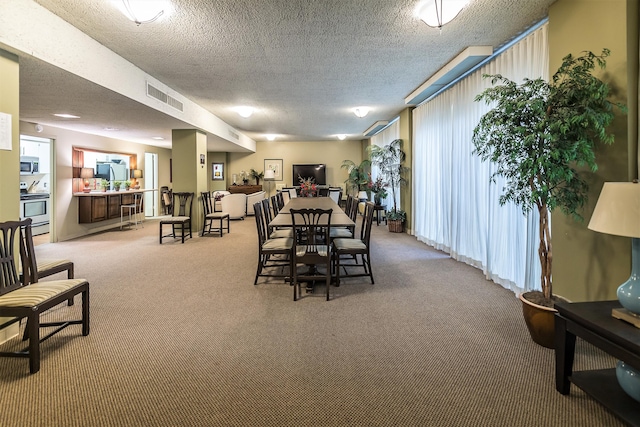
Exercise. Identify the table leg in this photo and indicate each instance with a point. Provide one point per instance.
(565, 346)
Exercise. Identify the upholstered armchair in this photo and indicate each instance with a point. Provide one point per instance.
(235, 205)
(252, 199)
(217, 197)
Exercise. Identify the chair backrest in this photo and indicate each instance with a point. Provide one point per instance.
(182, 203)
(16, 234)
(207, 202)
(335, 194)
(367, 221)
(167, 199)
(275, 205)
(292, 192)
(262, 231)
(311, 227)
(280, 198)
(323, 192)
(352, 208)
(266, 211)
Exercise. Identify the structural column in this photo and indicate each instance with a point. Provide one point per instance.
(189, 154)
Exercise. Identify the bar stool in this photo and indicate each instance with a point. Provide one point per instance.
(133, 210)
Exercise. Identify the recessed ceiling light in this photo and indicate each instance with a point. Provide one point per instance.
(244, 111)
(341, 136)
(67, 116)
(361, 111)
(270, 137)
(159, 138)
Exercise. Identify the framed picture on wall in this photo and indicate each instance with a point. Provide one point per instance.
(217, 172)
(276, 166)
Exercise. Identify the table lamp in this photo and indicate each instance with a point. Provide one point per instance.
(86, 174)
(618, 212)
(269, 176)
(135, 175)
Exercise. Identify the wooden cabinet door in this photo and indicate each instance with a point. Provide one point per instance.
(114, 206)
(98, 208)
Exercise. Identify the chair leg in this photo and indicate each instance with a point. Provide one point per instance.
(160, 232)
(70, 276)
(85, 312)
(33, 324)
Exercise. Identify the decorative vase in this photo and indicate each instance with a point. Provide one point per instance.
(540, 321)
(362, 195)
(629, 379)
(377, 200)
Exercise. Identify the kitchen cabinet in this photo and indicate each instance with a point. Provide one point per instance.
(101, 206)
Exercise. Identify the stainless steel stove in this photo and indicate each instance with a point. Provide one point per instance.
(35, 206)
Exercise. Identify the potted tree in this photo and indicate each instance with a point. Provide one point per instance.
(359, 176)
(538, 134)
(390, 161)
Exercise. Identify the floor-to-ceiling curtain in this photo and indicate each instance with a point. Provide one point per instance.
(456, 208)
(382, 138)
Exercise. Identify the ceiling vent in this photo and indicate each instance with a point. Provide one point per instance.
(156, 93)
(376, 127)
(462, 63)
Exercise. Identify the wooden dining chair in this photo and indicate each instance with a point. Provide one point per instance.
(22, 296)
(210, 215)
(272, 232)
(311, 247)
(269, 264)
(353, 248)
(181, 218)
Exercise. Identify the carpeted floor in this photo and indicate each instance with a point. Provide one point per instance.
(181, 337)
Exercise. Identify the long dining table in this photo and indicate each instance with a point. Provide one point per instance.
(338, 217)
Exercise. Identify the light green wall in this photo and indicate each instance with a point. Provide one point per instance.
(406, 132)
(588, 265)
(332, 153)
(10, 160)
(188, 173)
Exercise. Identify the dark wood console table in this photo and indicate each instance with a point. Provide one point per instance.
(592, 321)
(246, 189)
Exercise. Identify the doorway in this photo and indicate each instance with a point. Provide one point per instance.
(36, 185)
(151, 183)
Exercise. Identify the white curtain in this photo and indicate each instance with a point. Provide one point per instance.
(455, 206)
(388, 134)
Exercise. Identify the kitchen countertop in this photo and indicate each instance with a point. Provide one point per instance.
(111, 193)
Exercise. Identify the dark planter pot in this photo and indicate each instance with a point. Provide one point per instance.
(540, 321)
(395, 225)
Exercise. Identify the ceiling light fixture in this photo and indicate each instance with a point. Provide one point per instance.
(244, 111)
(341, 136)
(144, 12)
(158, 138)
(270, 137)
(66, 116)
(361, 111)
(435, 14)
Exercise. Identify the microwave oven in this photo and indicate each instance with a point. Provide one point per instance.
(29, 165)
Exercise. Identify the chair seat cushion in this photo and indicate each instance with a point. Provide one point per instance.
(322, 250)
(281, 234)
(175, 220)
(217, 215)
(37, 293)
(286, 243)
(349, 244)
(46, 264)
(340, 233)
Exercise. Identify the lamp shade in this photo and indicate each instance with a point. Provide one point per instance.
(269, 174)
(618, 210)
(136, 173)
(86, 173)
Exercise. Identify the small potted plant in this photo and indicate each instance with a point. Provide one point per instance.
(104, 184)
(256, 175)
(378, 188)
(116, 185)
(127, 185)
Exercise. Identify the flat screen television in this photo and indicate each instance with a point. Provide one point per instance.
(316, 171)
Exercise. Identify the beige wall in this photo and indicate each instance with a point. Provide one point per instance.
(65, 224)
(10, 159)
(589, 265)
(332, 153)
(217, 158)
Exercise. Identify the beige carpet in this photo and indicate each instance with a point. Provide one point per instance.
(181, 337)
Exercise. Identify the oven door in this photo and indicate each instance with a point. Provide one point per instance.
(36, 209)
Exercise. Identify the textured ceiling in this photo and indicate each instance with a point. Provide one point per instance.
(304, 65)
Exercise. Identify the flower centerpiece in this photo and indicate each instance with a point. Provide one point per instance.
(308, 188)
